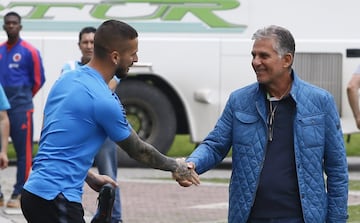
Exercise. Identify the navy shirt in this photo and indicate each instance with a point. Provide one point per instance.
(278, 192)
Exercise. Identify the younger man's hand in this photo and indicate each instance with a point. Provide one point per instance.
(185, 174)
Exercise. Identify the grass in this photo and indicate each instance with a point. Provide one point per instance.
(354, 185)
(354, 211)
(352, 145)
(182, 146)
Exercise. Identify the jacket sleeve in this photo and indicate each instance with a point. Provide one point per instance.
(38, 75)
(216, 145)
(336, 168)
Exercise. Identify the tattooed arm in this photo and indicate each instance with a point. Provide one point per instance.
(147, 154)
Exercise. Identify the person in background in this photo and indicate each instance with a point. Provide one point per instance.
(285, 134)
(4, 132)
(352, 91)
(80, 112)
(106, 159)
(86, 47)
(22, 76)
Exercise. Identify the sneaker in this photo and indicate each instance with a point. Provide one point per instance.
(14, 201)
(105, 204)
(1, 199)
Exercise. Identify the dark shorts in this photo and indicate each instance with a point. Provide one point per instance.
(59, 210)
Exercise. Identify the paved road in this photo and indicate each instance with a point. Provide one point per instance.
(151, 196)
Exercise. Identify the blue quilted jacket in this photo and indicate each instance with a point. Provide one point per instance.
(319, 149)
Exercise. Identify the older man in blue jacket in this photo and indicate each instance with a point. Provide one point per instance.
(285, 134)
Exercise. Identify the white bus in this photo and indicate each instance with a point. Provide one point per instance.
(193, 53)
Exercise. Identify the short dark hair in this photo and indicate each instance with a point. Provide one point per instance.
(112, 35)
(12, 13)
(87, 29)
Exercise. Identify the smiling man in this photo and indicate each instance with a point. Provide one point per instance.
(285, 134)
(106, 159)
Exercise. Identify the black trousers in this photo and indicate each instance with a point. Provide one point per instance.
(275, 220)
(59, 210)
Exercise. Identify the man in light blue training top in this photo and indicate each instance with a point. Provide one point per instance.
(106, 159)
(80, 113)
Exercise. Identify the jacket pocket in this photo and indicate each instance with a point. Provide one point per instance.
(246, 118)
(246, 127)
(313, 130)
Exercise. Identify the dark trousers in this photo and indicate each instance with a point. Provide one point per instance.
(59, 210)
(275, 220)
(21, 133)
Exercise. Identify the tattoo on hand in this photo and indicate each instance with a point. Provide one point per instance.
(185, 173)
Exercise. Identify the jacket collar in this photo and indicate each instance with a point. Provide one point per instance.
(261, 91)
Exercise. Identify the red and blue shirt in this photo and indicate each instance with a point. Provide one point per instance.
(21, 73)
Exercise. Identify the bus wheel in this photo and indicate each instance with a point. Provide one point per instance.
(151, 115)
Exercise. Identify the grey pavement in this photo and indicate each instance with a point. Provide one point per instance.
(150, 195)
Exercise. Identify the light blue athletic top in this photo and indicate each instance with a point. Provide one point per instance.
(80, 112)
(75, 64)
(4, 103)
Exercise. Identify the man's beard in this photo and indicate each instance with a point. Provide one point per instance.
(120, 72)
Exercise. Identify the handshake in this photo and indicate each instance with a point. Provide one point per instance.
(185, 173)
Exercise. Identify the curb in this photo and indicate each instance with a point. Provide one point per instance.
(354, 164)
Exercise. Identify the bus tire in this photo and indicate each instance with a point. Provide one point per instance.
(150, 113)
